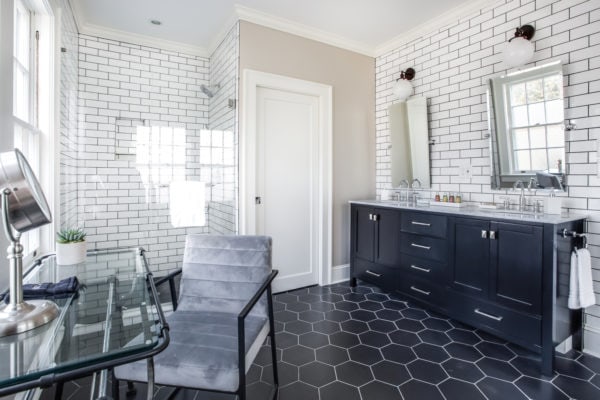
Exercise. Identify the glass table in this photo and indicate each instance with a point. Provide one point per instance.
(115, 318)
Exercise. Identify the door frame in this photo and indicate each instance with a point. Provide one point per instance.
(252, 80)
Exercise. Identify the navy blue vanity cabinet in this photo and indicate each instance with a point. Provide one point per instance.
(374, 245)
(509, 277)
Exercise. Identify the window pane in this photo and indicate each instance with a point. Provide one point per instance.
(537, 114)
(553, 87)
(517, 94)
(522, 162)
(520, 139)
(519, 116)
(21, 94)
(554, 111)
(556, 157)
(535, 92)
(539, 161)
(22, 28)
(538, 137)
(556, 136)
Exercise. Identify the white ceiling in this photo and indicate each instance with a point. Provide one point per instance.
(362, 25)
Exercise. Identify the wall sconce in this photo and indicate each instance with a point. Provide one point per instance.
(519, 49)
(403, 89)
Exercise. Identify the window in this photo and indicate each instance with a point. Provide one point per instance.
(536, 124)
(32, 98)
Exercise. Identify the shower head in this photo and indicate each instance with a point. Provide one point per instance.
(210, 90)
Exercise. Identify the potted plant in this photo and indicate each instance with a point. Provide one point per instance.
(70, 246)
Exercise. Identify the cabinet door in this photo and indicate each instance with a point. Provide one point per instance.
(471, 256)
(516, 266)
(387, 248)
(364, 232)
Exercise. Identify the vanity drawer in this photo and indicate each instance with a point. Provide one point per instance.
(424, 268)
(422, 290)
(424, 247)
(424, 224)
(383, 277)
(512, 325)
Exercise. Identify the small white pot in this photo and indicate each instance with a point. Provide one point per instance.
(70, 253)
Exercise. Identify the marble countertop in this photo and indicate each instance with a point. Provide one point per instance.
(472, 210)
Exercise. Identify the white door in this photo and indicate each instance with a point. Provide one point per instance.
(287, 183)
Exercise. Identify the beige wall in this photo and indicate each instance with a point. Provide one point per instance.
(352, 77)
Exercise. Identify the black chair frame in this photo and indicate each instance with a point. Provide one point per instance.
(241, 318)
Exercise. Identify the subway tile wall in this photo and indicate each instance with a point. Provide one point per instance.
(124, 89)
(452, 66)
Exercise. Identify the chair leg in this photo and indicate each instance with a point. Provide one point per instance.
(59, 391)
(272, 336)
(115, 385)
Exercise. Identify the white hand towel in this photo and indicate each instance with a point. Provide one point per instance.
(187, 204)
(581, 289)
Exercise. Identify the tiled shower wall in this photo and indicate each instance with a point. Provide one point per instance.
(124, 86)
(69, 82)
(452, 67)
(224, 67)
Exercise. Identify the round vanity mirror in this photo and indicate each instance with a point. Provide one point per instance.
(27, 206)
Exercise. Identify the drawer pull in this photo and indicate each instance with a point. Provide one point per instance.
(420, 291)
(494, 317)
(420, 246)
(420, 268)
(420, 223)
(372, 273)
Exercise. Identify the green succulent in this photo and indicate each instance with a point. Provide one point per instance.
(72, 235)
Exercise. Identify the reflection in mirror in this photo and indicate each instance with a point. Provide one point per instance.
(410, 141)
(526, 116)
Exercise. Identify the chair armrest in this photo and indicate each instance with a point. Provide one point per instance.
(162, 279)
(248, 307)
(171, 279)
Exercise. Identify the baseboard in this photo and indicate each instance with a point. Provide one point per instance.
(340, 273)
(591, 341)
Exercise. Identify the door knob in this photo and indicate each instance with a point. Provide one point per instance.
(258, 200)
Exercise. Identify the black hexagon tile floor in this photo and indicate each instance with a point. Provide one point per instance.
(337, 342)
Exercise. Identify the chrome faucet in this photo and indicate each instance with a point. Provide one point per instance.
(522, 195)
(533, 184)
(403, 185)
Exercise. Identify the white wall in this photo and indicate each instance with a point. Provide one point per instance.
(452, 67)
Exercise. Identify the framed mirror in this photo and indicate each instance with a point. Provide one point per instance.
(526, 122)
(409, 141)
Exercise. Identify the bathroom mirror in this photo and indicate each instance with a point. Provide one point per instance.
(526, 122)
(410, 141)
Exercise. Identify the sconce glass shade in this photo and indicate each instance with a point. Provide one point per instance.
(402, 89)
(519, 51)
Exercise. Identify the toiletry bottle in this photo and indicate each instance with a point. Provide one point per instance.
(451, 198)
(445, 198)
(458, 198)
(437, 197)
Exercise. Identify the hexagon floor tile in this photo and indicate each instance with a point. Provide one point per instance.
(337, 342)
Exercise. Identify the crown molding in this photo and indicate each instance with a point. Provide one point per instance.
(295, 28)
(223, 32)
(80, 19)
(433, 24)
(87, 28)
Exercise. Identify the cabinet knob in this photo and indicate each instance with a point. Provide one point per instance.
(484, 234)
(370, 217)
(493, 235)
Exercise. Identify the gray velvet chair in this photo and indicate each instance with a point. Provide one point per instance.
(222, 316)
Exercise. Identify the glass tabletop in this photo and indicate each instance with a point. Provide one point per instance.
(113, 315)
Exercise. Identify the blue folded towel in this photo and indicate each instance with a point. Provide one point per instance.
(60, 289)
